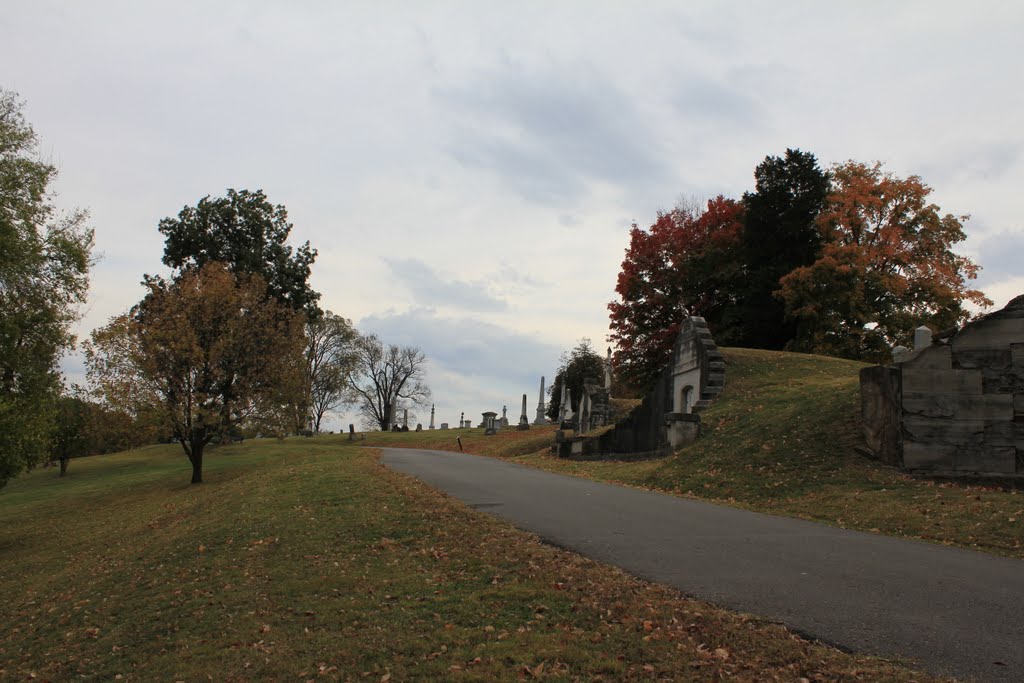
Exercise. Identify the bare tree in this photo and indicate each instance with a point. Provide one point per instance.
(330, 357)
(385, 379)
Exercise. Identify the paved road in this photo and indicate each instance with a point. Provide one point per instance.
(956, 612)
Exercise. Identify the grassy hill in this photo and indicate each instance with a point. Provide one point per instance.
(306, 560)
(781, 439)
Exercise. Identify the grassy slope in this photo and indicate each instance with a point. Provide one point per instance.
(307, 560)
(780, 439)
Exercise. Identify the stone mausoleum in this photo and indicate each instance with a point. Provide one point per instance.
(668, 418)
(954, 406)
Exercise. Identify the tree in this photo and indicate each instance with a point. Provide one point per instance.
(209, 350)
(330, 356)
(887, 266)
(71, 438)
(387, 379)
(248, 234)
(44, 266)
(85, 427)
(779, 235)
(688, 263)
(576, 366)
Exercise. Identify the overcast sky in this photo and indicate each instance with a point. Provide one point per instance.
(469, 171)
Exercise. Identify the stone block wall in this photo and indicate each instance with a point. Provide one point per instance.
(960, 402)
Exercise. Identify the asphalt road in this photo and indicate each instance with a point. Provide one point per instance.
(954, 612)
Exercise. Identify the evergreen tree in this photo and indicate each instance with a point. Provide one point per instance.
(779, 235)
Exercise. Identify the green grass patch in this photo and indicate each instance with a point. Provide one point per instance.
(781, 439)
(307, 560)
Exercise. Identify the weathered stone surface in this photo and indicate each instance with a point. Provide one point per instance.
(988, 333)
(683, 429)
(941, 381)
(931, 457)
(1017, 356)
(880, 412)
(989, 460)
(958, 406)
(956, 432)
(931, 357)
(995, 360)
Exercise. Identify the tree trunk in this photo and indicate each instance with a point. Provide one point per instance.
(196, 458)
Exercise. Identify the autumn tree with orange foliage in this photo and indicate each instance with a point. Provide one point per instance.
(207, 351)
(687, 262)
(886, 266)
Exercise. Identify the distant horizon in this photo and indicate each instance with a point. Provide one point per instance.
(469, 174)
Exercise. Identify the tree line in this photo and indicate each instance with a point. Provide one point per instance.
(232, 341)
(843, 262)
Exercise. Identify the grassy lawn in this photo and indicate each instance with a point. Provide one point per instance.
(781, 439)
(307, 560)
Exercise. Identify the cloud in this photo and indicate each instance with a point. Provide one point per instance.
(978, 162)
(473, 365)
(1001, 256)
(718, 103)
(548, 134)
(428, 289)
(1001, 291)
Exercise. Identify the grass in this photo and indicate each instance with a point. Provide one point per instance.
(781, 439)
(307, 560)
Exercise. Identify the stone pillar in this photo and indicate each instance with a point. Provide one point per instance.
(431, 416)
(524, 422)
(462, 420)
(608, 370)
(583, 415)
(405, 420)
(568, 403)
(540, 405)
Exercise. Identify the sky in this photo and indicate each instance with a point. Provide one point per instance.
(469, 172)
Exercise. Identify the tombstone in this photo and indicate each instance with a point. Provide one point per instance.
(540, 420)
(419, 426)
(431, 416)
(503, 420)
(462, 421)
(922, 337)
(568, 404)
(608, 370)
(583, 415)
(405, 421)
(597, 403)
(900, 354)
(524, 422)
(351, 432)
(488, 423)
(395, 427)
(444, 425)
